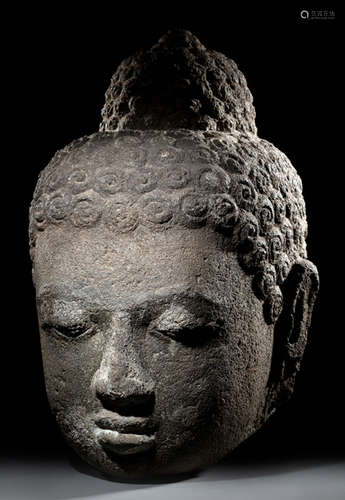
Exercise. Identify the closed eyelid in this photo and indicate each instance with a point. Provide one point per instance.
(176, 318)
(66, 320)
(185, 327)
(60, 312)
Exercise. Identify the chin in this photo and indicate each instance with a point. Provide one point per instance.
(107, 459)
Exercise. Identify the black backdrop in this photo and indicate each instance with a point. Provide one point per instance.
(60, 66)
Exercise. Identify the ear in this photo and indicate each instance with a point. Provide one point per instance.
(291, 330)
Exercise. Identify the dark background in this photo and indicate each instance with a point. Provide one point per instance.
(60, 64)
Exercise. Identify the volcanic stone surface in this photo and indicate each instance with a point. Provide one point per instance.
(178, 84)
(174, 293)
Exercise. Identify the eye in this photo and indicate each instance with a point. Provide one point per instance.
(70, 332)
(191, 335)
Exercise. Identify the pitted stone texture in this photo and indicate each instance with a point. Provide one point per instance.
(173, 288)
(238, 184)
(178, 83)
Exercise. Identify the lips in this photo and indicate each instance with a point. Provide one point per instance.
(124, 435)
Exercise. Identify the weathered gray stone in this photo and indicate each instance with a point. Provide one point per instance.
(173, 288)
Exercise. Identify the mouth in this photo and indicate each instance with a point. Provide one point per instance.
(124, 435)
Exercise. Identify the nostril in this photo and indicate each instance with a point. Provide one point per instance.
(134, 405)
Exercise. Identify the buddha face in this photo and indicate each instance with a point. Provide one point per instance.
(155, 349)
(164, 265)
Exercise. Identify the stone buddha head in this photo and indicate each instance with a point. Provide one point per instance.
(174, 293)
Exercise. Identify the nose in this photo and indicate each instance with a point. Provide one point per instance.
(121, 383)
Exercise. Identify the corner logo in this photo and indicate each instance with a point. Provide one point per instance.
(317, 15)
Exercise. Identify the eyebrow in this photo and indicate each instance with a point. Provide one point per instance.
(160, 295)
(166, 294)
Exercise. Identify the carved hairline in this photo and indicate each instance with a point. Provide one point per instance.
(239, 184)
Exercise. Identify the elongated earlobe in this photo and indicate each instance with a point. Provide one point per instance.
(291, 330)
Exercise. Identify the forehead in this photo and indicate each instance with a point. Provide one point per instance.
(101, 267)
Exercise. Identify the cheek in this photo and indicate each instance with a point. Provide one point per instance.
(213, 393)
(186, 380)
(246, 370)
(68, 370)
